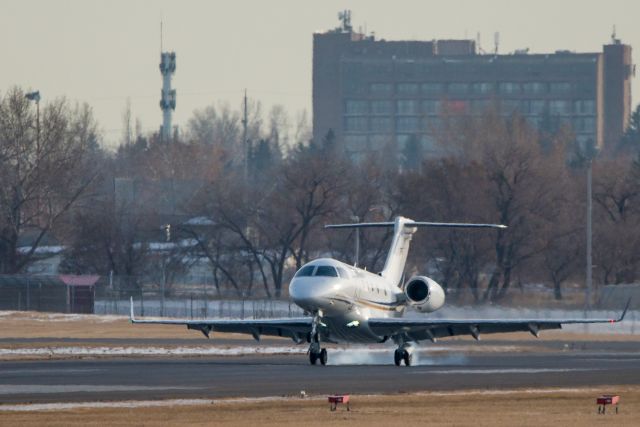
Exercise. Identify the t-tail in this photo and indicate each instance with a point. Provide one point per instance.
(403, 229)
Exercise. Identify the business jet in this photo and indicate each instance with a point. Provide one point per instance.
(351, 305)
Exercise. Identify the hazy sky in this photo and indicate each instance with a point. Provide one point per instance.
(102, 52)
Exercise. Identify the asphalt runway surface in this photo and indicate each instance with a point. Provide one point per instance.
(552, 365)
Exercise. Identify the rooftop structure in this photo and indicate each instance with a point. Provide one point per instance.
(376, 94)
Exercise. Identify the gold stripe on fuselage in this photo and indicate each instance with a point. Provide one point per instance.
(378, 306)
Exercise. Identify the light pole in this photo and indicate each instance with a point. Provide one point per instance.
(35, 97)
(587, 303)
(591, 152)
(356, 219)
(167, 230)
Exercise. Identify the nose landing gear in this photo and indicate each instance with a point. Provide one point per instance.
(316, 352)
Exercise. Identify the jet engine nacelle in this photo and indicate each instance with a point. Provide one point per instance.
(424, 294)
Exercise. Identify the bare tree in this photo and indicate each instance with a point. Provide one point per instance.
(617, 219)
(43, 174)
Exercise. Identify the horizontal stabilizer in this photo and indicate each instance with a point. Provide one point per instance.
(417, 224)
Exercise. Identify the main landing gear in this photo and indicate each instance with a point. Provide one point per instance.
(317, 354)
(402, 355)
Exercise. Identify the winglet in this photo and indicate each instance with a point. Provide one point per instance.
(624, 312)
(132, 318)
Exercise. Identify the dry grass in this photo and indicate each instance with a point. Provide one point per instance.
(41, 325)
(535, 408)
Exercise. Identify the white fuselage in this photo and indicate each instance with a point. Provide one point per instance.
(346, 300)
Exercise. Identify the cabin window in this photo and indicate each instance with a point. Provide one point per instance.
(305, 271)
(326, 270)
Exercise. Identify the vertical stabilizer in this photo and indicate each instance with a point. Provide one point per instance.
(397, 257)
(403, 229)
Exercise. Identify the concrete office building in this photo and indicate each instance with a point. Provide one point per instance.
(376, 94)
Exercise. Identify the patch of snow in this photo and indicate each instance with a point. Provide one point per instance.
(149, 351)
(40, 316)
(200, 220)
(41, 250)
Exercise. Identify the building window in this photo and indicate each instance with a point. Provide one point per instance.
(535, 121)
(428, 142)
(408, 89)
(403, 140)
(584, 124)
(381, 124)
(482, 88)
(354, 107)
(458, 88)
(434, 125)
(432, 88)
(560, 88)
(381, 89)
(456, 106)
(559, 106)
(356, 124)
(537, 107)
(532, 107)
(585, 141)
(509, 88)
(407, 106)
(378, 142)
(408, 124)
(509, 106)
(355, 142)
(481, 106)
(585, 106)
(431, 107)
(534, 88)
(381, 107)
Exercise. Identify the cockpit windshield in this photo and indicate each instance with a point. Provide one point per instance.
(305, 271)
(320, 270)
(326, 270)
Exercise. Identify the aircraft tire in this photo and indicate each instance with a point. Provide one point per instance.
(397, 357)
(323, 356)
(407, 357)
(313, 357)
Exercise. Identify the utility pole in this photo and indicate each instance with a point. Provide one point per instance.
(35, 97)
(245, 143)
(587, 303)
(167, 231)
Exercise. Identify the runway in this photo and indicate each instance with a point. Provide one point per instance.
(591, 364)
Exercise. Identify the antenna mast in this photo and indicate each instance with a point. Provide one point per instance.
(168, 95)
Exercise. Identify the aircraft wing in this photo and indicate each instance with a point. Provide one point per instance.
(432, 329)
(294, 328)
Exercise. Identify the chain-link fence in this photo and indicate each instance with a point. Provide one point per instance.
(200, 297)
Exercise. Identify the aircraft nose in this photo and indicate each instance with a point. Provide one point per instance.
(309, 292)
